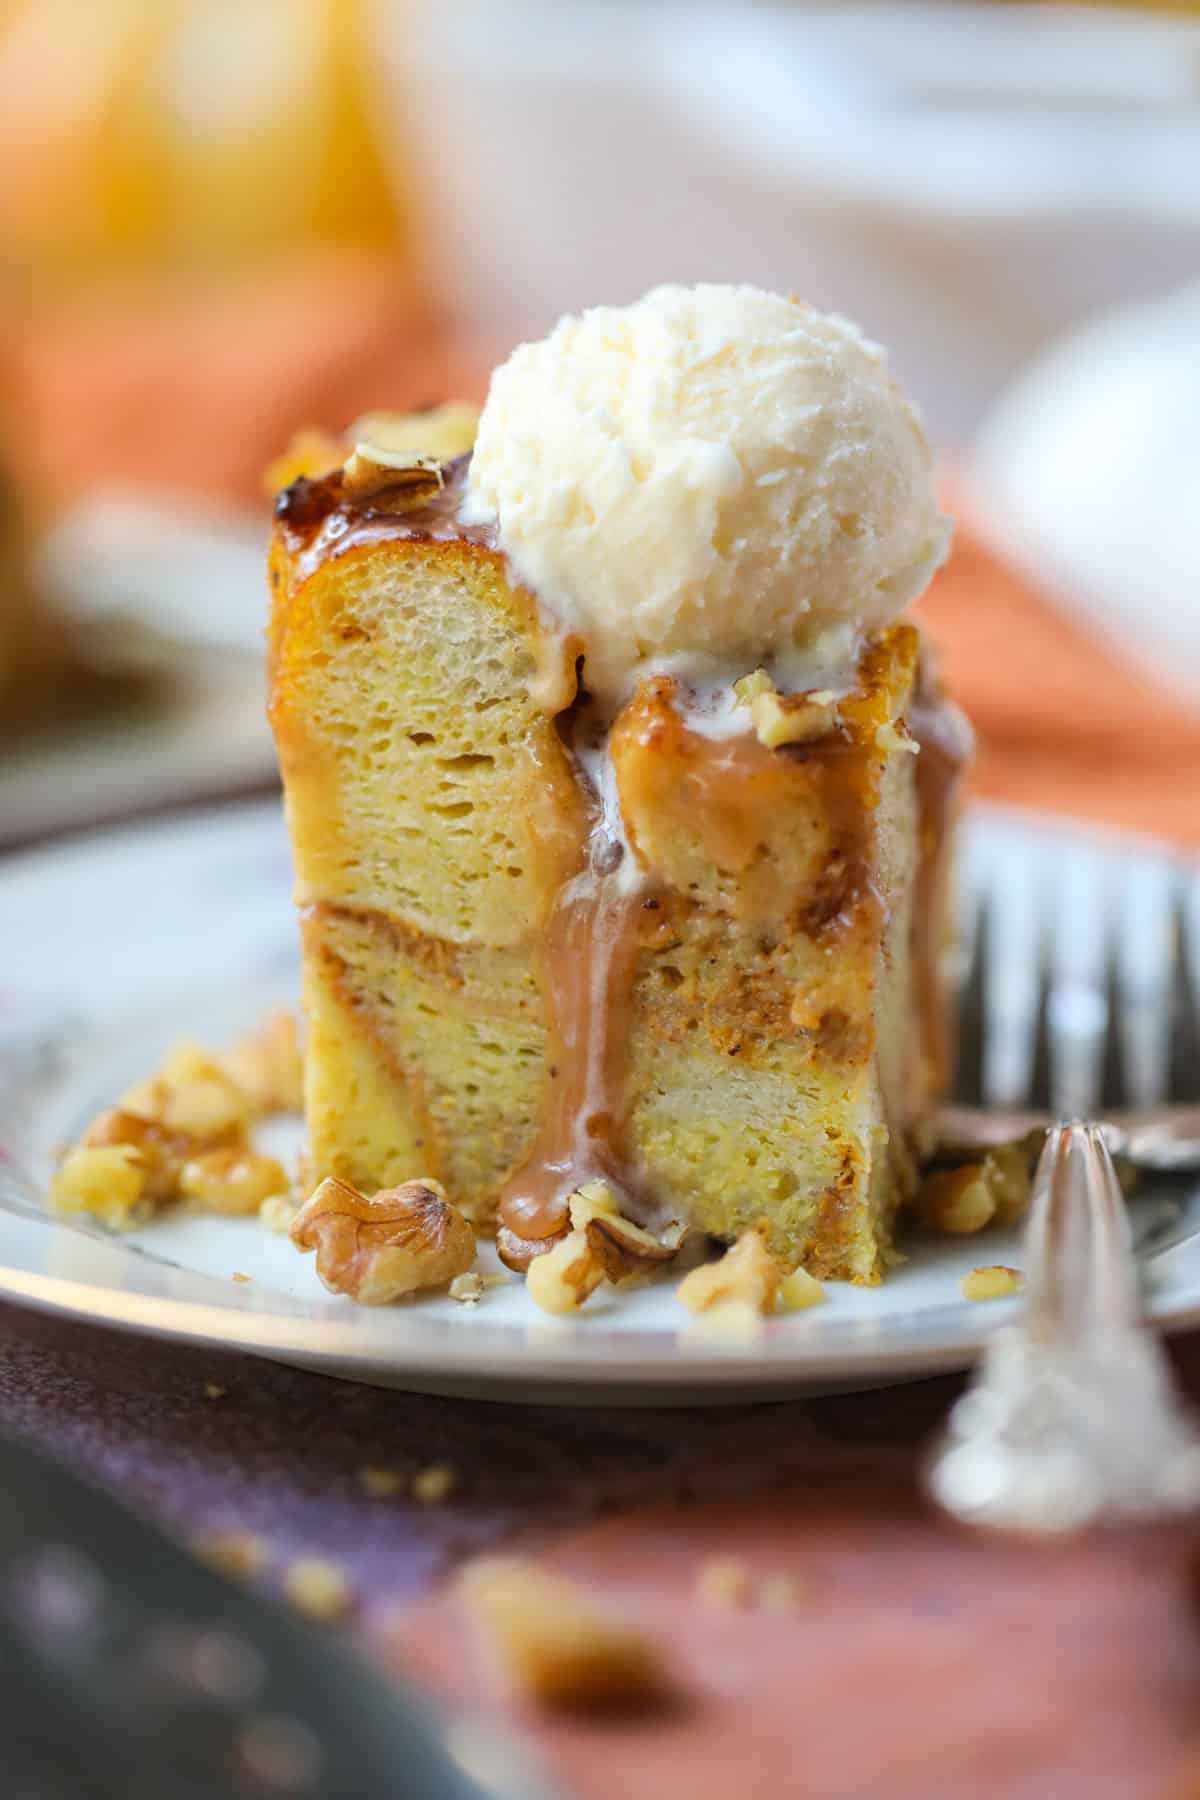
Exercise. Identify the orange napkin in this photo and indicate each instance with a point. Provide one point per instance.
(1063, 724)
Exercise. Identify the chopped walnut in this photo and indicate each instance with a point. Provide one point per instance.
(467, 1288)
(231, 1180)
(747, 1272)
(625, 1250)
(192, 1095)
(553, 1644)
(1009, 1174)
(267, 1064)
(785, 718)
(724, 1582)
(561, 1279)
(237, 1553)
(991, 1284)
(799, 1290)
(311, 453)
(213, 1390)
(380, 1247)
(780, 1592)
(602, 1246)
(793, 718)
(108, 1181)
(439, 434)
(894, 734)
(434, 1484)
(751, 686)
(956, 1200)
(161, 1156)
(595, 1199)
(381, 1484)
(278, 1213)
(518, 1253)
(318, 1588)
(407, 479)
(993, 1189)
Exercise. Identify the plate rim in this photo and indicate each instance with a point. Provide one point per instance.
(501, 1356)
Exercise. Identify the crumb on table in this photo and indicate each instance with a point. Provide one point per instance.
(992, 1283)
(240, 1554)
(552, 1644)
(318, 1588)
(434, 1483)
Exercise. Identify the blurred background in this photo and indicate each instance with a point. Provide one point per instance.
(221, 220)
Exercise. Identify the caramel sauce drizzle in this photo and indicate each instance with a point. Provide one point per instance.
(321, 520)
(589, 964)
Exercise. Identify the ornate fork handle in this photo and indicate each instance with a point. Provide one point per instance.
(1072, 1416)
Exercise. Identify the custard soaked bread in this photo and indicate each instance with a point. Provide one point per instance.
(748, 1032)
(620, 850)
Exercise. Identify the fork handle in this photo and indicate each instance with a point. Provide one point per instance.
(1072, 1416)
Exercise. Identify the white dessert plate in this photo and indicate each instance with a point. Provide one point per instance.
(118, 942)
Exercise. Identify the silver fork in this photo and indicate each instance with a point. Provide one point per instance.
(1081, 999)
(1072, 1416)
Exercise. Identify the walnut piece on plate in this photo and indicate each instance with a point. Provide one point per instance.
(747, 1273)
(990, 1190)
(601, 1246)
(231, 1180)
(267, 1064)
(378, 1247)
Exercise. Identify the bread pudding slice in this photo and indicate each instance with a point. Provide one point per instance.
(705, 968)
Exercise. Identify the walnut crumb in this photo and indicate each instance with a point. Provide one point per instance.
(214, 1391)
(992, 1283)
(277, 1213)
(554, 1645)
(382, 1484)
(894, 734)
(109, 1181)
(192, 1095)
(232, 1180)
(560, 1280)
(267, 1064)
(468, 1288)
(318, 1588)
(780, 1592)
(237, 1553)
(434, 1484)
(747, 1272)
(724, 1582)
(799, 1290)
(991, 1189)
(727, 1582)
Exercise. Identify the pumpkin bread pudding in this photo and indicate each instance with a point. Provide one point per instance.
(621, 790)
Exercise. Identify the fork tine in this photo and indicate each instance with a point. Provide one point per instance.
(1183, 1052)
(1146, 957)
(972, 1009)
(1041, 1074)
(1114, 1090)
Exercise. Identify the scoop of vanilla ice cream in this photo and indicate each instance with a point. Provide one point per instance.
(713, 471)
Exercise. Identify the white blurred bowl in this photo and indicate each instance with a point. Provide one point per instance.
(966, 180)
(1087, 475)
